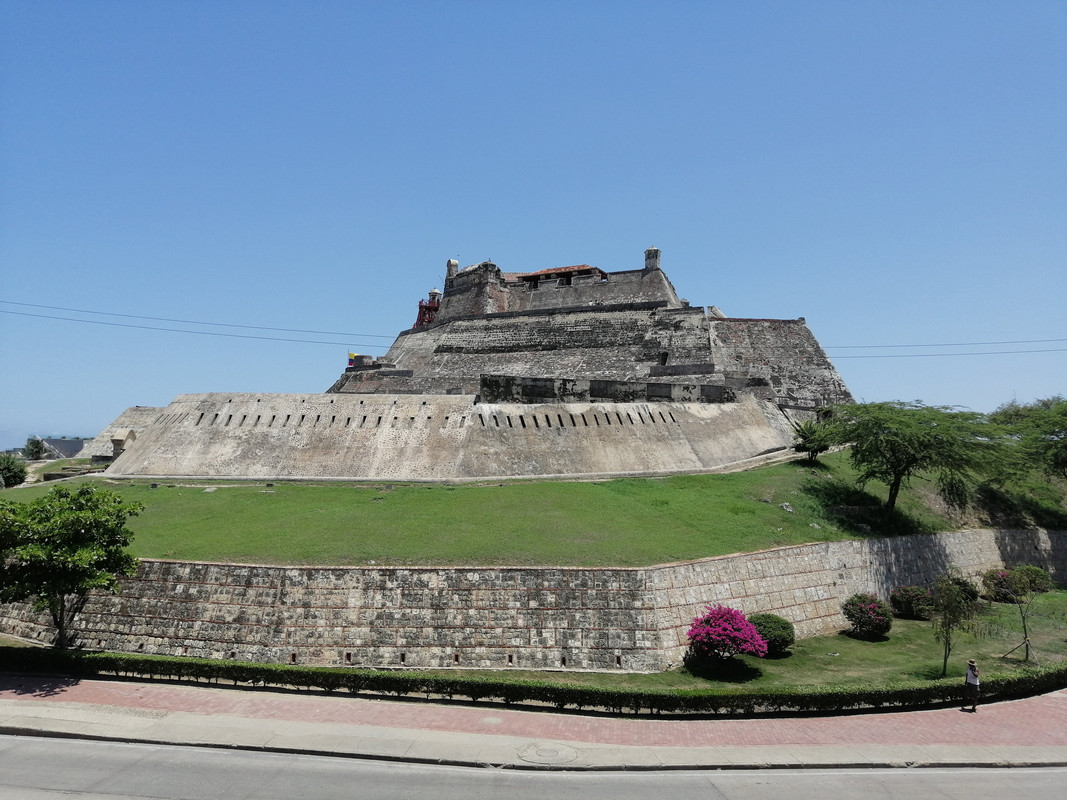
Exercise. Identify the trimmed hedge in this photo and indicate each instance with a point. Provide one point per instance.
(492, 688)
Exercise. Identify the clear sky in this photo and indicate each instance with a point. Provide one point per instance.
(896, 173)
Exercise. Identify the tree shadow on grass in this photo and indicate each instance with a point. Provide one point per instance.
(728, 670)
(878, 637)
(858, 511)
(1006, 508)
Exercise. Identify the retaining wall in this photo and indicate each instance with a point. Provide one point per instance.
(571, 618)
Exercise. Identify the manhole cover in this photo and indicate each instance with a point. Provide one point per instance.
(547, 753)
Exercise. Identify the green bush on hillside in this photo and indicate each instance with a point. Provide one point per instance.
(778, 632)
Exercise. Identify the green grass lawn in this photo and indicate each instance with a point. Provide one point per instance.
(628, 522)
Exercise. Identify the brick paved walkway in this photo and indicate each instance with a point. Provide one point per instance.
(1038, 721)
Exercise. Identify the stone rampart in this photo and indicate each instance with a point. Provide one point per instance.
(781, 353)
(500, 617)
(444, 437)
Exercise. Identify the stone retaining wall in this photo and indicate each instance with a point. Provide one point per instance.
(570, 618)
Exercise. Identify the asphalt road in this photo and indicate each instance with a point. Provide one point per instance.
(35, 768)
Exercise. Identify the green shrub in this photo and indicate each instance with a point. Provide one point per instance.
(1011, 585)
(12, 470)
(1034, 578)
(869, 617)
(777, 632)
(912, 602)
(970, 591)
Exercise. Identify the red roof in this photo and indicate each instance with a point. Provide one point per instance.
(559, 270)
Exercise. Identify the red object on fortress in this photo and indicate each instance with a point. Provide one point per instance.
(428, 309)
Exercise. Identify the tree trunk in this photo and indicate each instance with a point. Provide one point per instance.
(58, 607)
(894, 490)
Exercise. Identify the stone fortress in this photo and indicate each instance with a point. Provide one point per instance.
(565, 372)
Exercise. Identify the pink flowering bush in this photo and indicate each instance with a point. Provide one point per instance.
(869, 617)
(722, 632)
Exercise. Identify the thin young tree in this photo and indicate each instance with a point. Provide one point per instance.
(957, 611)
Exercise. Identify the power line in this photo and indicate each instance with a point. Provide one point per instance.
(939, 355)
(943, 344)
(198, 333)
(186, 321)
(377, 336)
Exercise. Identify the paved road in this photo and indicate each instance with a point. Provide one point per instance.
(1022, 732)
(44, 768)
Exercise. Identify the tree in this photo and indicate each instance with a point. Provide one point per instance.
(34, 450)
(892, 442)
(812, 438)
(12, 470)
(1039, 432)
(62, 546)
(957, 611)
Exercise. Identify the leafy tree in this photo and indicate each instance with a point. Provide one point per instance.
(12, 470)
(62, 546)
(34, 450)
(722, 632)
(957, 611)
(1039, 431)
(812, 438)
(892, 442)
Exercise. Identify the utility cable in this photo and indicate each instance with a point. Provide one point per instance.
(189, 321)
(198, 333)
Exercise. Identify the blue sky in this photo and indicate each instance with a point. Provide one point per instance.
(896, 173)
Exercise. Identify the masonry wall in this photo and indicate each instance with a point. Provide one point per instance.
(782, 354)
(775, 360)
(572, 618)
(483, 289)
(443, 437)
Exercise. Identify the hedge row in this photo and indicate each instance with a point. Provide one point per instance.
(493, 688)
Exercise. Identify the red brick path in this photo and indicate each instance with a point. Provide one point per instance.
(1035, 721)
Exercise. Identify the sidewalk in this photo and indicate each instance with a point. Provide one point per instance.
(1029, 732)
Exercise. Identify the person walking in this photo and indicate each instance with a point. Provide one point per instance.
(971, 686)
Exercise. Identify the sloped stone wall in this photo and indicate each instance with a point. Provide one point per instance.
(558, 618)
(443, 437)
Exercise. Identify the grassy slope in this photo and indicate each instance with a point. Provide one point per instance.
(629, 522)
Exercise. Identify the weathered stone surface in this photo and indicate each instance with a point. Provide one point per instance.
(428, 437)
(605, 619)
(563, 372)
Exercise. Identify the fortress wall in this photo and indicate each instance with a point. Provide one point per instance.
(136, 419)
(435, 437)
(483, 289)
(572, 618)
(612, 344)
(636, 286)
(782, 352)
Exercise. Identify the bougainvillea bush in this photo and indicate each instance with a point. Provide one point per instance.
(722, 632)
(912, 602)
(1012, 585)
(869, 617)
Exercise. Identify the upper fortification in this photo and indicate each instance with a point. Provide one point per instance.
(566, 371)
(583, 323)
